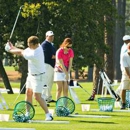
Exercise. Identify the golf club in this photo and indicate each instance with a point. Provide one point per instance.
(83, 89)
(19, 94)
(15, 22)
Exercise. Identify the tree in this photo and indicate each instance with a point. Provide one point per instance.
(5, 14)
(119, 33)
(83, 21)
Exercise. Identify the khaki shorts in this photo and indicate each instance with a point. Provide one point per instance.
(125, 84)
(35, 83)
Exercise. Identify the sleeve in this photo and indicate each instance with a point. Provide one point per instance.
(124, 61)
(59, 54)
(27, 54)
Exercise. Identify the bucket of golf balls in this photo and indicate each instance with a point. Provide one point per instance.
(106, 104)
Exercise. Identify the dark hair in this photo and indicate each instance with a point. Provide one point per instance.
(66, 42)
(33, 39)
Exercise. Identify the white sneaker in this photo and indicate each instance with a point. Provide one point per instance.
(49, 117)
(27, 114)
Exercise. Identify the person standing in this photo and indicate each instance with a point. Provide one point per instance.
(36, 71)
(64, 60)
(49, 52)
(125, 39)
(125, 81)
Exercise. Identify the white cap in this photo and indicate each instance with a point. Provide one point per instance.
(49, 33)
(126, 37)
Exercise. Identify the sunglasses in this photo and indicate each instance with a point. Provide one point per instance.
(68, 46)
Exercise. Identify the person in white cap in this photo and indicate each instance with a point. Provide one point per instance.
(126, 39)
(36, 71)
(49, 52)
(125, 81)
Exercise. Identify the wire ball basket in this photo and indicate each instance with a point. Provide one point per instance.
(23, 111)
(64, 106)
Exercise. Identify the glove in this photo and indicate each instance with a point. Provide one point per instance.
(8, 46)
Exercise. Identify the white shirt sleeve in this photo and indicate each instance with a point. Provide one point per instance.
(28, 54)
(124, 61)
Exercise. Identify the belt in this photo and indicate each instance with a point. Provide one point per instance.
(37, 74)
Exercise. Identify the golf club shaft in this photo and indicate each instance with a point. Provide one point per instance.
(15, 22)
(19, 93)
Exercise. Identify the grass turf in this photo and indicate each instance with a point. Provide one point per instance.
(118, 120)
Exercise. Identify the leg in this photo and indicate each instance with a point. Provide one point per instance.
(41, 101)
(28, 98)
(29, 94)
(59, 85)
(65, 89)
(43, 105)
(125, 85)
(37, 87)
(123, 97)
(49, 82)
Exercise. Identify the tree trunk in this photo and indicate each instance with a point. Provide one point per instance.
(109, 67)
(5, 78)
(97, 86)
(119, 33)
(23, 70)
(90, 74)
(76, 74)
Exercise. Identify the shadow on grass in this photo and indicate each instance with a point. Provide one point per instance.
(97, 122)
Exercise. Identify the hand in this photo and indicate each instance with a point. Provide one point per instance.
(8, 46)
(67, 76)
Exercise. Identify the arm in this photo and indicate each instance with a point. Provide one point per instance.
(70, 64)
(63, 67)
(10, 48)
(16, 51)
(53, 56)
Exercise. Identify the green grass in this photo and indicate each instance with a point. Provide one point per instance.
(9, 68)
(117, 121)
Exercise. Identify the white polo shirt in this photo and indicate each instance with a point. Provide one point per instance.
(125, 62)
(35, 60)
(123, 50)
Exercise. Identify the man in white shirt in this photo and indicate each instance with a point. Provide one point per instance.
(36, 71)
(125, 81)
(126, 39)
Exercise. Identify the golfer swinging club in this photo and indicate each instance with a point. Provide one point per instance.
(36, 71)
